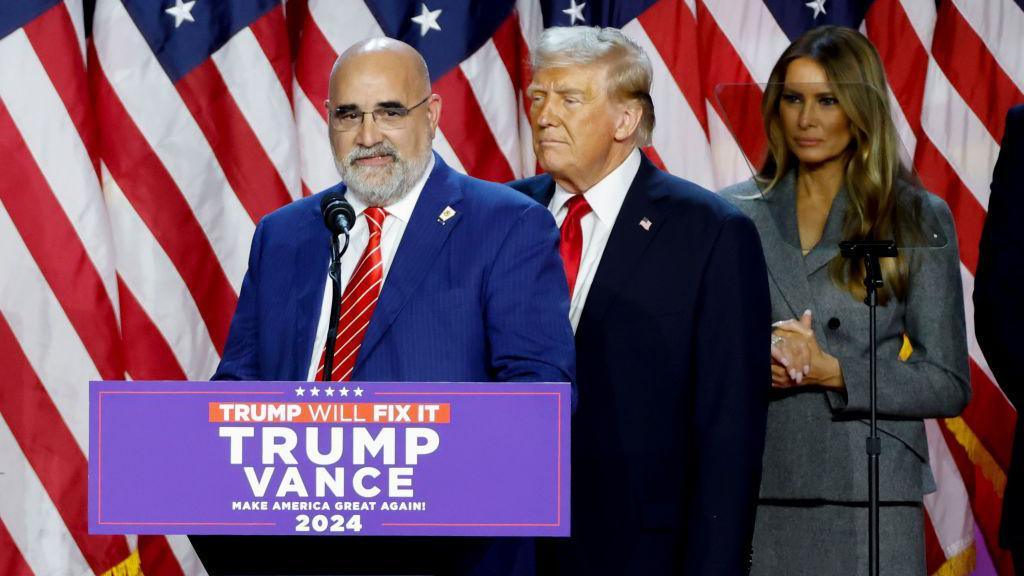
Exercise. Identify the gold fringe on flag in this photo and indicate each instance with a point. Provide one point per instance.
(130, 566)
(959, 565)
(907, 349)
(963, 563)
(979, 456)
(976, 451)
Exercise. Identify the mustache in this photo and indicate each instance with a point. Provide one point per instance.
(379, 149)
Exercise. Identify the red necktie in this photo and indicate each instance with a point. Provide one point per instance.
(359, 300)
(571, 244)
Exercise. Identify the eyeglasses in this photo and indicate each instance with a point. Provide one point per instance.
(347, 118)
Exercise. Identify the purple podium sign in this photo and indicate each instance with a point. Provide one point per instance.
(343, 458)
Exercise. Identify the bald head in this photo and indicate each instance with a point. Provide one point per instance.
(382, 119)
(389, 56)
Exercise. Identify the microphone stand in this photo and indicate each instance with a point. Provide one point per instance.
(871, 251)
(332, 331)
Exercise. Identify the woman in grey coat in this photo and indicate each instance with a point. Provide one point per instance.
(833, 173)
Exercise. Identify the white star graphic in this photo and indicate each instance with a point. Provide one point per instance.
(358, 391)
(818, 6)
(314, 391)
(181, 11)
(300, 391)
(343, 391)
(329, 391)
(427, 20)
(575, 12)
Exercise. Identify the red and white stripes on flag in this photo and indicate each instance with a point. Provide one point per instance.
(127, 205)
(58, 299)
(955, 70)
(126, 210)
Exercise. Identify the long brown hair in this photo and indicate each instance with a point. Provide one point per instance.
(874, 172)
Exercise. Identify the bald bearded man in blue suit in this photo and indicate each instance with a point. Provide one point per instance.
(472, 290)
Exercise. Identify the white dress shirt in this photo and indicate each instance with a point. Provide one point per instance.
(605, 199)
(397, 219)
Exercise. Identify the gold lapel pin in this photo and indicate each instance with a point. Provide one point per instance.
(446, 215)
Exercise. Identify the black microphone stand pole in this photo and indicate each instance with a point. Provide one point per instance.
(871, 251)
(332, 327)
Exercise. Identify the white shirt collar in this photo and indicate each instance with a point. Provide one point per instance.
(605, 197)
(404, 207)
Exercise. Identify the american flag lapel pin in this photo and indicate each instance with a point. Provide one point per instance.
(446, 215)
(645, 223)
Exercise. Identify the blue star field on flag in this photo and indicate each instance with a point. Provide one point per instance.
(464, 27)
(182, 47)
(16, 13)
(797, 16)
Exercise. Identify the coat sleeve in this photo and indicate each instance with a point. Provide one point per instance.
(933, 382)
(240, 360)
(998, 307)
(732, 379)
(529, 336)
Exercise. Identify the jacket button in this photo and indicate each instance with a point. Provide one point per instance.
(834, 323)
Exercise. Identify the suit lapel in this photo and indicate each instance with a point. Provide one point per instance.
(312, 252)
(421, 242)
(544, 192)
(627, 241)
(778, 226)
(828, 247)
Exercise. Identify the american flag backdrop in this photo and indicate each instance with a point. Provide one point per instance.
(141, 140)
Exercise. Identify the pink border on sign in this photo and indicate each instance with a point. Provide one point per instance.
(99, 464)
(558, 457)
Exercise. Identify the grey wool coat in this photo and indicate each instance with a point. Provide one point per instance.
(814, 448)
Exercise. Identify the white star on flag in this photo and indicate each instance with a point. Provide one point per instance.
(314, 391)
(358, 391)
(181, 11)
(818, 6)
(427, 20)
(343, 391)
(300, 391)
(575, 12)
(329, 391)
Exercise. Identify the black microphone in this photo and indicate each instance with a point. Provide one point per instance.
(339, 215)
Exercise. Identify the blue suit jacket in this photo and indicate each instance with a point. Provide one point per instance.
(999, 309)
(673, 356)
(479, 297)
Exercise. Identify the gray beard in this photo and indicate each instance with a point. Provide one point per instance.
(377, 186)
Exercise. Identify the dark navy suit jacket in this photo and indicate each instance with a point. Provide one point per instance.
(673, 356)
(480, 296)
(999, 309)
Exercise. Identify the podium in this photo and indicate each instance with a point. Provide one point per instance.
(346, 459)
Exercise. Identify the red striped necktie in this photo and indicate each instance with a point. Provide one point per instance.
(359, 301)
(571, 244)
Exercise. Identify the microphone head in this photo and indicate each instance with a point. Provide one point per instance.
(338, 213)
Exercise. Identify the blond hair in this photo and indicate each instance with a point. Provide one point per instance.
(874, 174)
(629, 74)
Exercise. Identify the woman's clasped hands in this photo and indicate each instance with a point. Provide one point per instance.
(798, 360)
